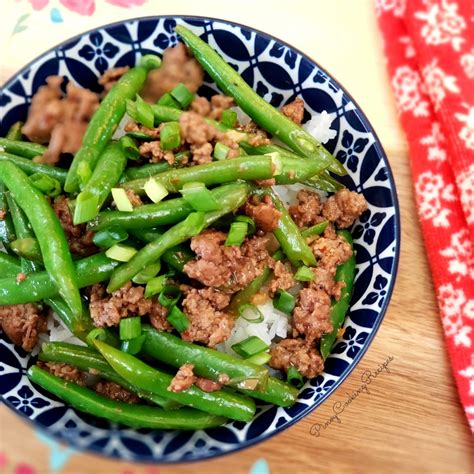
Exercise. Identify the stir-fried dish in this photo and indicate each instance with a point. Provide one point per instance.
(172, 258)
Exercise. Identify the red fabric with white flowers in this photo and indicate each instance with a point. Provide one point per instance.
(429, 46)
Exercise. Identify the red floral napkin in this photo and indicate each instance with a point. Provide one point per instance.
(429, 46)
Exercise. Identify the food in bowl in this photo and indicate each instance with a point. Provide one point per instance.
(260, 283)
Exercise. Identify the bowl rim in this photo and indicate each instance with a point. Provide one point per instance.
(397, 228)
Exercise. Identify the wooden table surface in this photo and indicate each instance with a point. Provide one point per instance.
(411, 421)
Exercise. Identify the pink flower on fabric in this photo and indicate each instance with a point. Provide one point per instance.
(126, 3)
(83, 7)
(39, 4)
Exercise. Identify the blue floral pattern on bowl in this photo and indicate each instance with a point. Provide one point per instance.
(279, 73)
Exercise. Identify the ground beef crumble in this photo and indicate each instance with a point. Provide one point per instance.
(183, 379)
(115, 392)
(22, 323)
(59, 120)
(282, 278)
(153, 133)
(65, 371)
(229, 268)
(297, 353)
(263, 212)
(311, 314)
(107, 310)
(344, 208)
(307, 211)
(153, 151)
(294, 110)
(207, 322)
(331, 252)
(78, 237)
(212, 109)
(177, 66)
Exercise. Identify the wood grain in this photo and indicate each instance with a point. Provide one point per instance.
(411, 420)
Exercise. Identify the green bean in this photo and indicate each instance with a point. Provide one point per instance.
(25, 245)
(316, 229)
(21, 148)
(163, 113)
(14, 132)
(39, 285)
(105, 176)
(325, 182)
(293, 170)
(163, 213)
(344, 273)
(176, 257)
(104, 122)
(9, 265)
(137, 416)
(263, 113)
(288, 235)
(136, 372)
(88, 360)
(30, 168)
(234, 197)
(217, 172)
(7, 230)
(146, 171)
(47, 228)
(210, 363)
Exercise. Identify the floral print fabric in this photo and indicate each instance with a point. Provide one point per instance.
(429, 46)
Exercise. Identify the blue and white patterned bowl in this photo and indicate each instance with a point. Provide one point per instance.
(279, 73)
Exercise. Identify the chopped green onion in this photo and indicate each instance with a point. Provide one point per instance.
(294, 377)
(169, 101)
(178, 319)
(97, 333)
(251, 223)
(183, 95)
(121, 200)
(130, 328)
(220, 151)
(129, 148)
(199, 197)
(85, 207)
(108, 237)
(46, 184)
(155, 285)
(237, 234)
(133, 346)
(259, 359)
(169, 296)
(284, 302)
(249, 347)
(229, 118)
(121, 253)
(155, 190)
(304, 273)
(170, 136)
(317, 229)
(145, 114)
(250, 313)
(149, 272)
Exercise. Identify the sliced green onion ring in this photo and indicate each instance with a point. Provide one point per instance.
(251, 313)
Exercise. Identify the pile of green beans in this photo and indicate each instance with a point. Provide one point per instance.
(148, 243)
